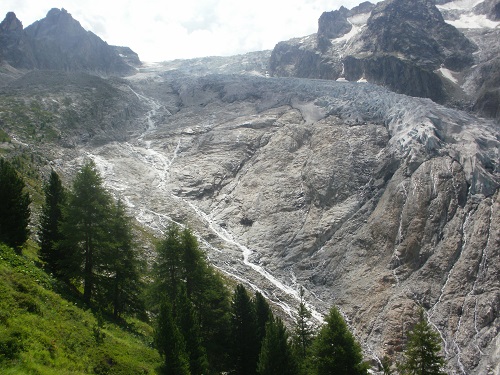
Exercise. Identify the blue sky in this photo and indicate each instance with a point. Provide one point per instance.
(160, 31)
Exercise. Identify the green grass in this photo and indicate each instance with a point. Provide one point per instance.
(41, 332)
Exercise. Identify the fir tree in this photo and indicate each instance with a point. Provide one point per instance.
(182, 265)
(85, 228)
(121, 268)
(422, 353)
(262, 314)
(170, 268)
(49, 232)
(14, 207)
(189, 325)
(193, 265)
(335, 351)
(245, 348)
(303, 334)
(170, 343)
(276, 354)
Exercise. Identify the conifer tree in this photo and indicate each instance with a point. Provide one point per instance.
(170, 343)
(121, 268)
(169, 268)
(193, 264)
(335, 351)
(276, 354)
(85, 228)
(14, 207)
(189, 326)
(49, 232)
(262, 314)
(303, 334)
(215, 319)
(245, 348)
(182, 265)
(422, 353)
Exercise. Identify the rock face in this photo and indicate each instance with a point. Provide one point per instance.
(424, 48)
(415, 30)
(58, 42)
(14, 45)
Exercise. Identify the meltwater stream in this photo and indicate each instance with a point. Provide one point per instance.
(144, 198)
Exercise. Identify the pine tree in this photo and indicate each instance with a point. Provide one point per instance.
(303, 335)
(213, 309)
(182, 265)
(85, 228)
(193, 264)
(276, 354)
(170, 343)
(189, 325)
(422, 350)
(170, 268)
(121, 268)
(49, 232)
(14, 207)
(335, 351)
(262, 314)
(245, 348)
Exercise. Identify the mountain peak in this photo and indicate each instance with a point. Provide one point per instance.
(11, 23)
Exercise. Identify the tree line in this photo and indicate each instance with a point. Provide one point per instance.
(202, 325)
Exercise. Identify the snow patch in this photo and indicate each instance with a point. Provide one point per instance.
(473, 21)
(359, 19)
(460, 5)
(351, 34)
(448, 74)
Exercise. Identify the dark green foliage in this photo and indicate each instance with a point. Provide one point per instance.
(182, 266)
(14, 207)
(214, 314)
(170, 343)
(120, 280)
(422, 353)
(11, 345)
(169, 269)
(188, 323)
(276, 354)
(262, 315)
(49, 232)
(85, 228)
(245, 344)
(303, 333)
(335, 351)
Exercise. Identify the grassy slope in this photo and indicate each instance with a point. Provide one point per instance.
(41, 332)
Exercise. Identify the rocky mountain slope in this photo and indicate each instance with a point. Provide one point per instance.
(424, 48)
(372, 200)
(59, 42)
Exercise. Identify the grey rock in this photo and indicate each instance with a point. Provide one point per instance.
(59, 42)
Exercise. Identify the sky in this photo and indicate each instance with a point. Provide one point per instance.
(160, 31)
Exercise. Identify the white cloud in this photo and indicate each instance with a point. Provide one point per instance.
(190, 28)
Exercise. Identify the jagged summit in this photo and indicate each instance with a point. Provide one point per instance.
(59, 42)
(11, 23)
